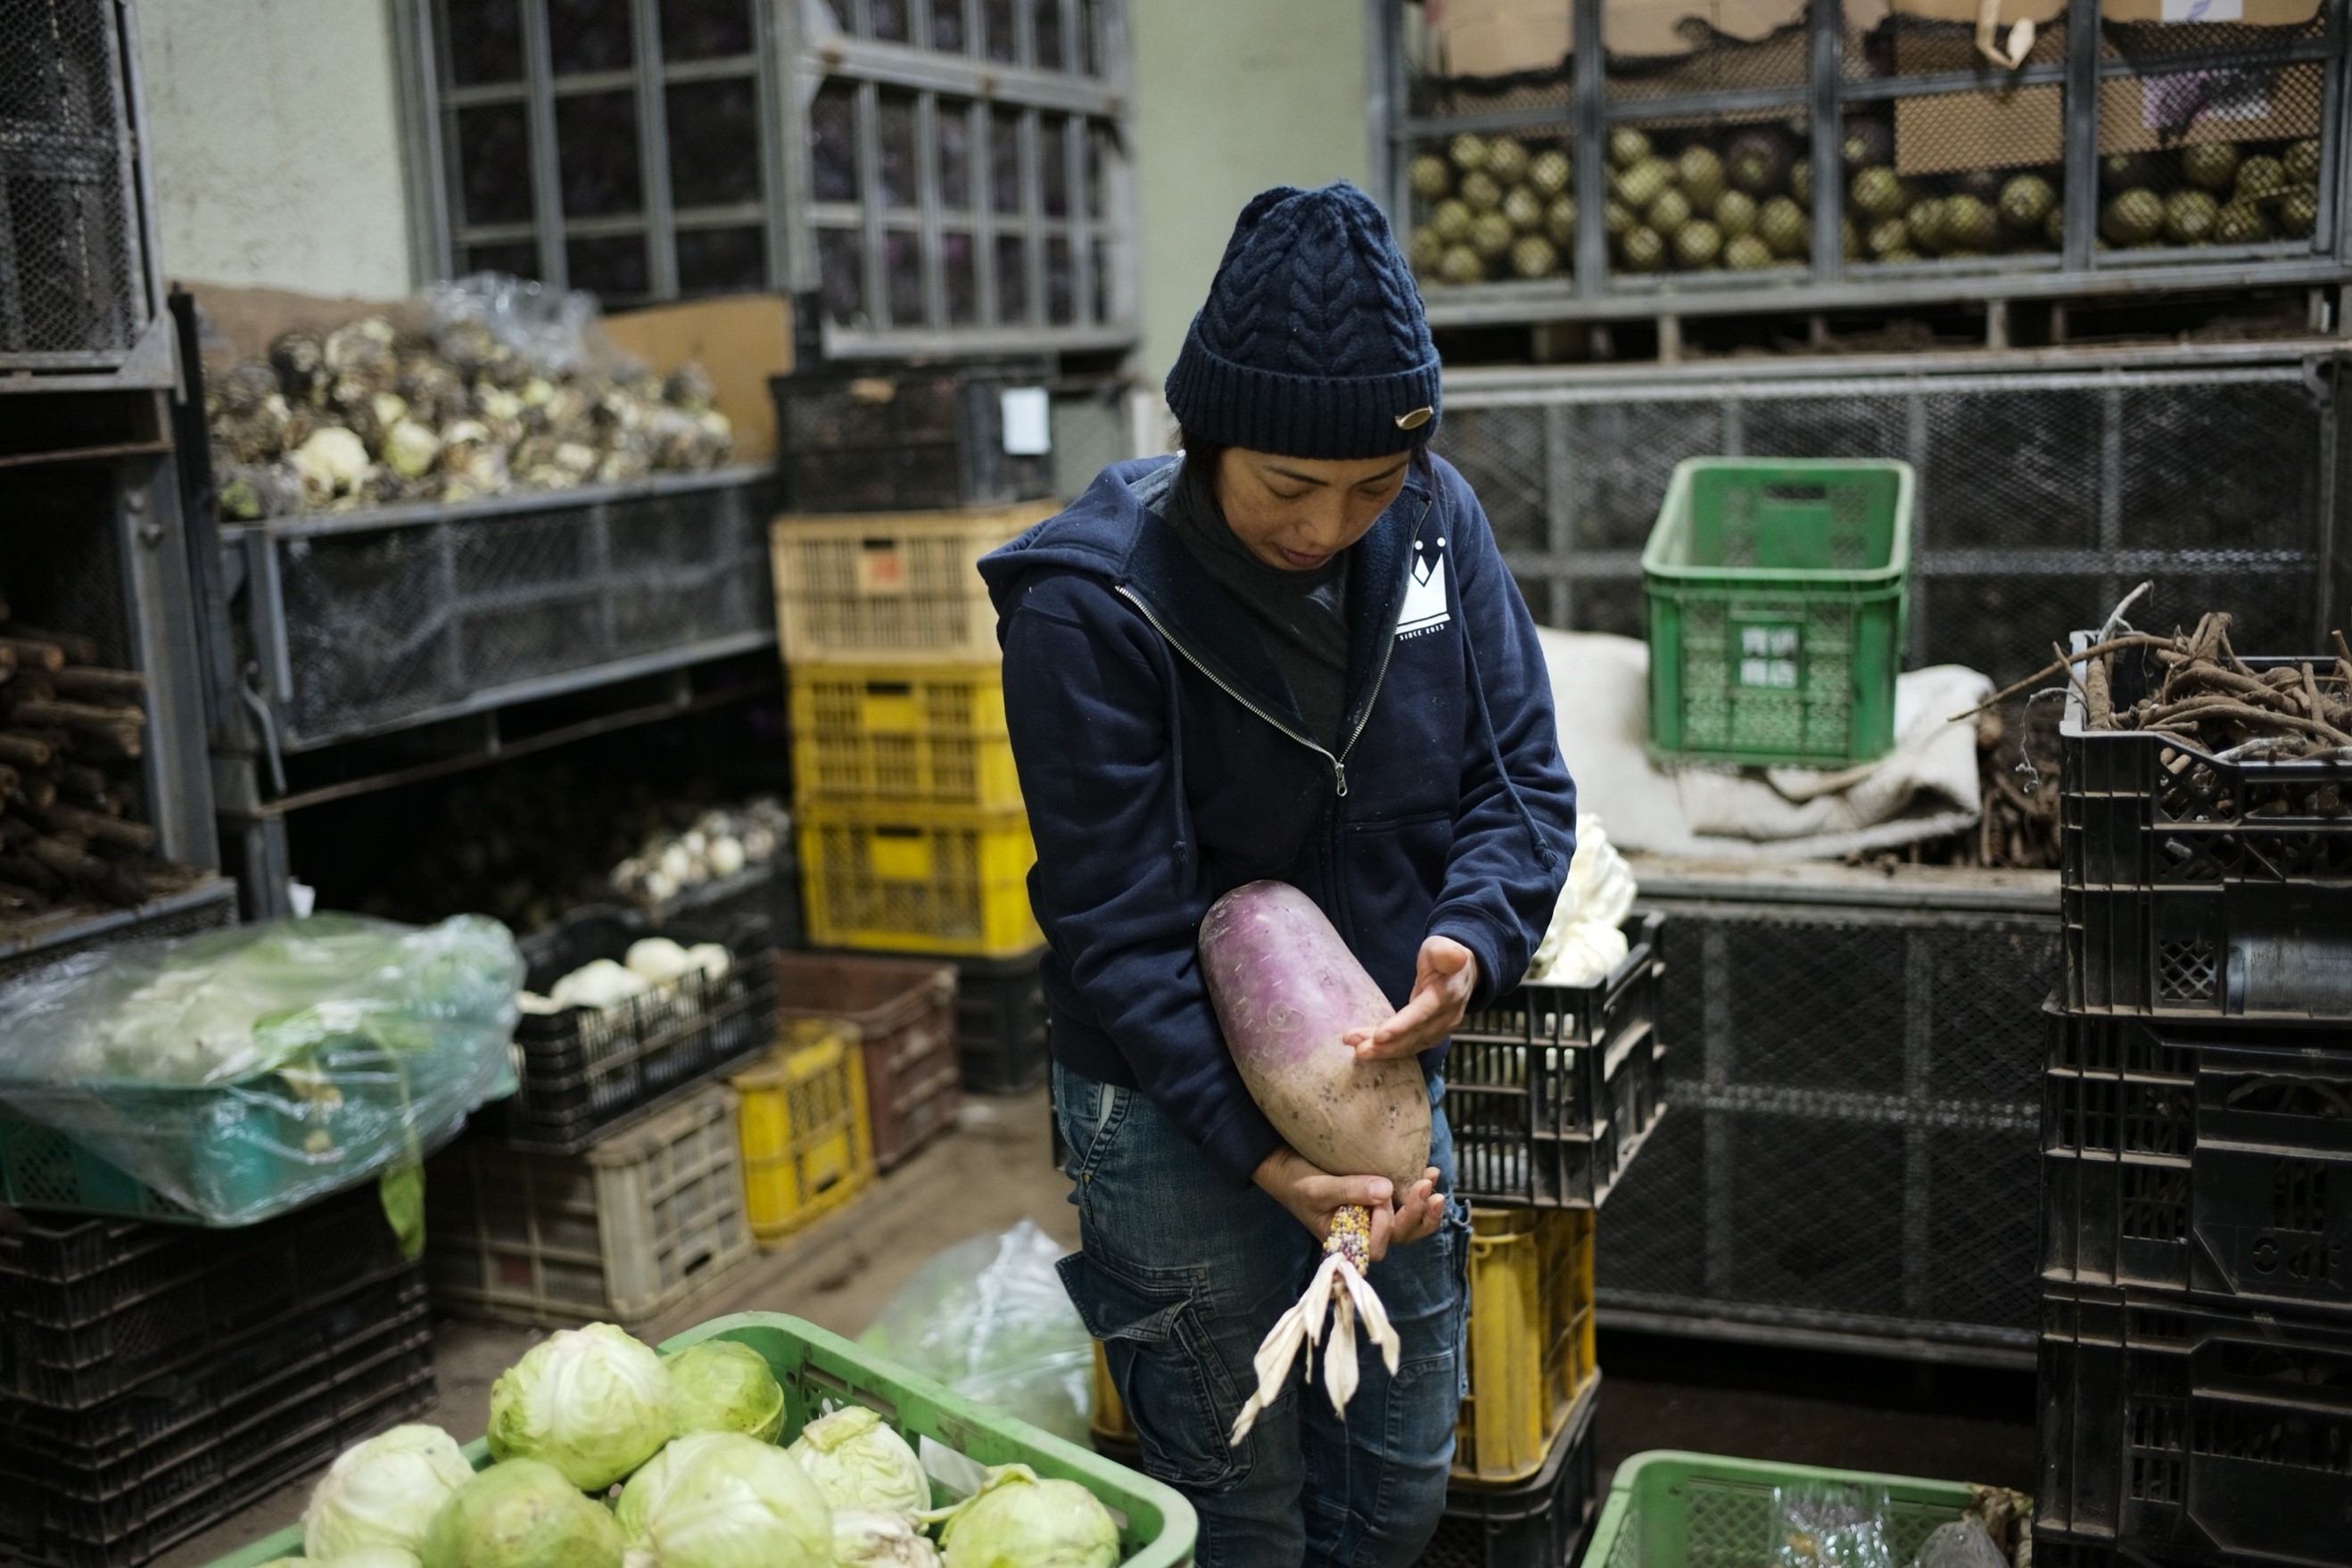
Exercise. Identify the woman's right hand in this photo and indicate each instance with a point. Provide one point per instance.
(1313, 1197)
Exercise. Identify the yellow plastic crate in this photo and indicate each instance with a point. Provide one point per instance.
(902, 734)
(806, 1149)
(932, 879)
(1109, 1425)
(890, 587)
(1531, 1337)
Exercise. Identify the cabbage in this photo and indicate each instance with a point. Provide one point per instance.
(522, 1514)
(379, 1556)
(593, 1402)
(865, 1538)
(858, 1462)
(720, 1500)
(384, 1492)
(1016, 1520)
(725, 1385)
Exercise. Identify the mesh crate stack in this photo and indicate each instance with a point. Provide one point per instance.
(913, 840)
(613, 1185)
(156, 1379)
(2196, 1263)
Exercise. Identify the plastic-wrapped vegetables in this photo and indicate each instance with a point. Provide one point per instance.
(242, 1073)
(1584, 943)
(502, 387)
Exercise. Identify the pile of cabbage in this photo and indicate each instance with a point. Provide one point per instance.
(607, 1455)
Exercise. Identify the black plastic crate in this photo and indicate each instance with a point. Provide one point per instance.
(582, 1071)
(1551, 1089)
(2197, 885)
(2199, 1156)
(120, 1483)
(91, 1309)
(2057, 1549)
(2169, 1429)
(1000, 1023)
(1539, 1523)
(905, 437)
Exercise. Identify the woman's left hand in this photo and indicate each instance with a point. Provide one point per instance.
(1442, 984)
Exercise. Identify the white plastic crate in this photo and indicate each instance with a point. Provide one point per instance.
(646, 1218)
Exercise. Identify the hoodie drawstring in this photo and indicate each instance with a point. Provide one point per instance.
(1543, 848)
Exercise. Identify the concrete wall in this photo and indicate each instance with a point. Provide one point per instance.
(277, 143)
(1231, 96)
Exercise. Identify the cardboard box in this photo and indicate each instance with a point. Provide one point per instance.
(1504, 37)
(740, 340)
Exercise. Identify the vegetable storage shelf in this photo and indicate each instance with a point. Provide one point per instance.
(958, 1436)
(646, 1218)
(1588, 161)
(366, 622)
(2207, 1158)
(1551, 1090)
(1775, 590)
(2200, 885)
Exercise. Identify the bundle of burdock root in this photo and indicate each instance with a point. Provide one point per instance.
(2210, 697)
(72, 730)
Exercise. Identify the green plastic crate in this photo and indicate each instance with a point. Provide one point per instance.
(1156, 1526)
(1777, 591)
(41, 1168)
(1673, 1509)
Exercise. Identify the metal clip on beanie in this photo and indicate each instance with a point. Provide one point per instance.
(1312, 344)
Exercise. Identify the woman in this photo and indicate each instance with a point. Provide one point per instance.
(1294, 653)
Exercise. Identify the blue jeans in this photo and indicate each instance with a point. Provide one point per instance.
(1180, 1276)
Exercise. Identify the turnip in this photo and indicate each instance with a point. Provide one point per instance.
(1287, 993)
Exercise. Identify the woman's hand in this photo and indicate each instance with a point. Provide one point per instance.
(1442, 984)
(1313, 1197)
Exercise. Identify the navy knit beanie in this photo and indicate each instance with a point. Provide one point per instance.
(1312, 344)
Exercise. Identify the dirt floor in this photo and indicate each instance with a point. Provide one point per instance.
(1657, 1392)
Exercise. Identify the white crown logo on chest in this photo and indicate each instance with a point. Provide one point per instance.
(1425, 609)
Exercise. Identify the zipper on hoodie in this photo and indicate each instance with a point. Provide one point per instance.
(1337, 760)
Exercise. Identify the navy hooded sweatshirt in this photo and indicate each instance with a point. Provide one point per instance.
(1163, 763)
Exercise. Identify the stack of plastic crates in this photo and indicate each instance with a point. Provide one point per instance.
(2197, 1166)
(912, 836)
(156, 1379)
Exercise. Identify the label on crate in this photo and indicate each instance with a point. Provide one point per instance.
(1028, 422)
(881, 566)
(1768, 654)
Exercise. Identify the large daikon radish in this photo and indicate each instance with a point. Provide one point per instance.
(1287, 992)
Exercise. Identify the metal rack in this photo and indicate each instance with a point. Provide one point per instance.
(942, 176)
(1809, 80)
(80, 296)
(2051, 482)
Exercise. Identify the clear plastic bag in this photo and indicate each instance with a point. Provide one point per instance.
(552, 334)
(1829, 1524)
(1963, 1543)
(243, 1073)
(989, 1317)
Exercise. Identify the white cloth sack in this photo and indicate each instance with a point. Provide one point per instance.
(1584, 944)
(1925, 788)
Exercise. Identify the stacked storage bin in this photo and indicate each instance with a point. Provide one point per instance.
(2197, 1167)
(913, 840)
(611, 1185)
(156, 1379)
(1550, 1092)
